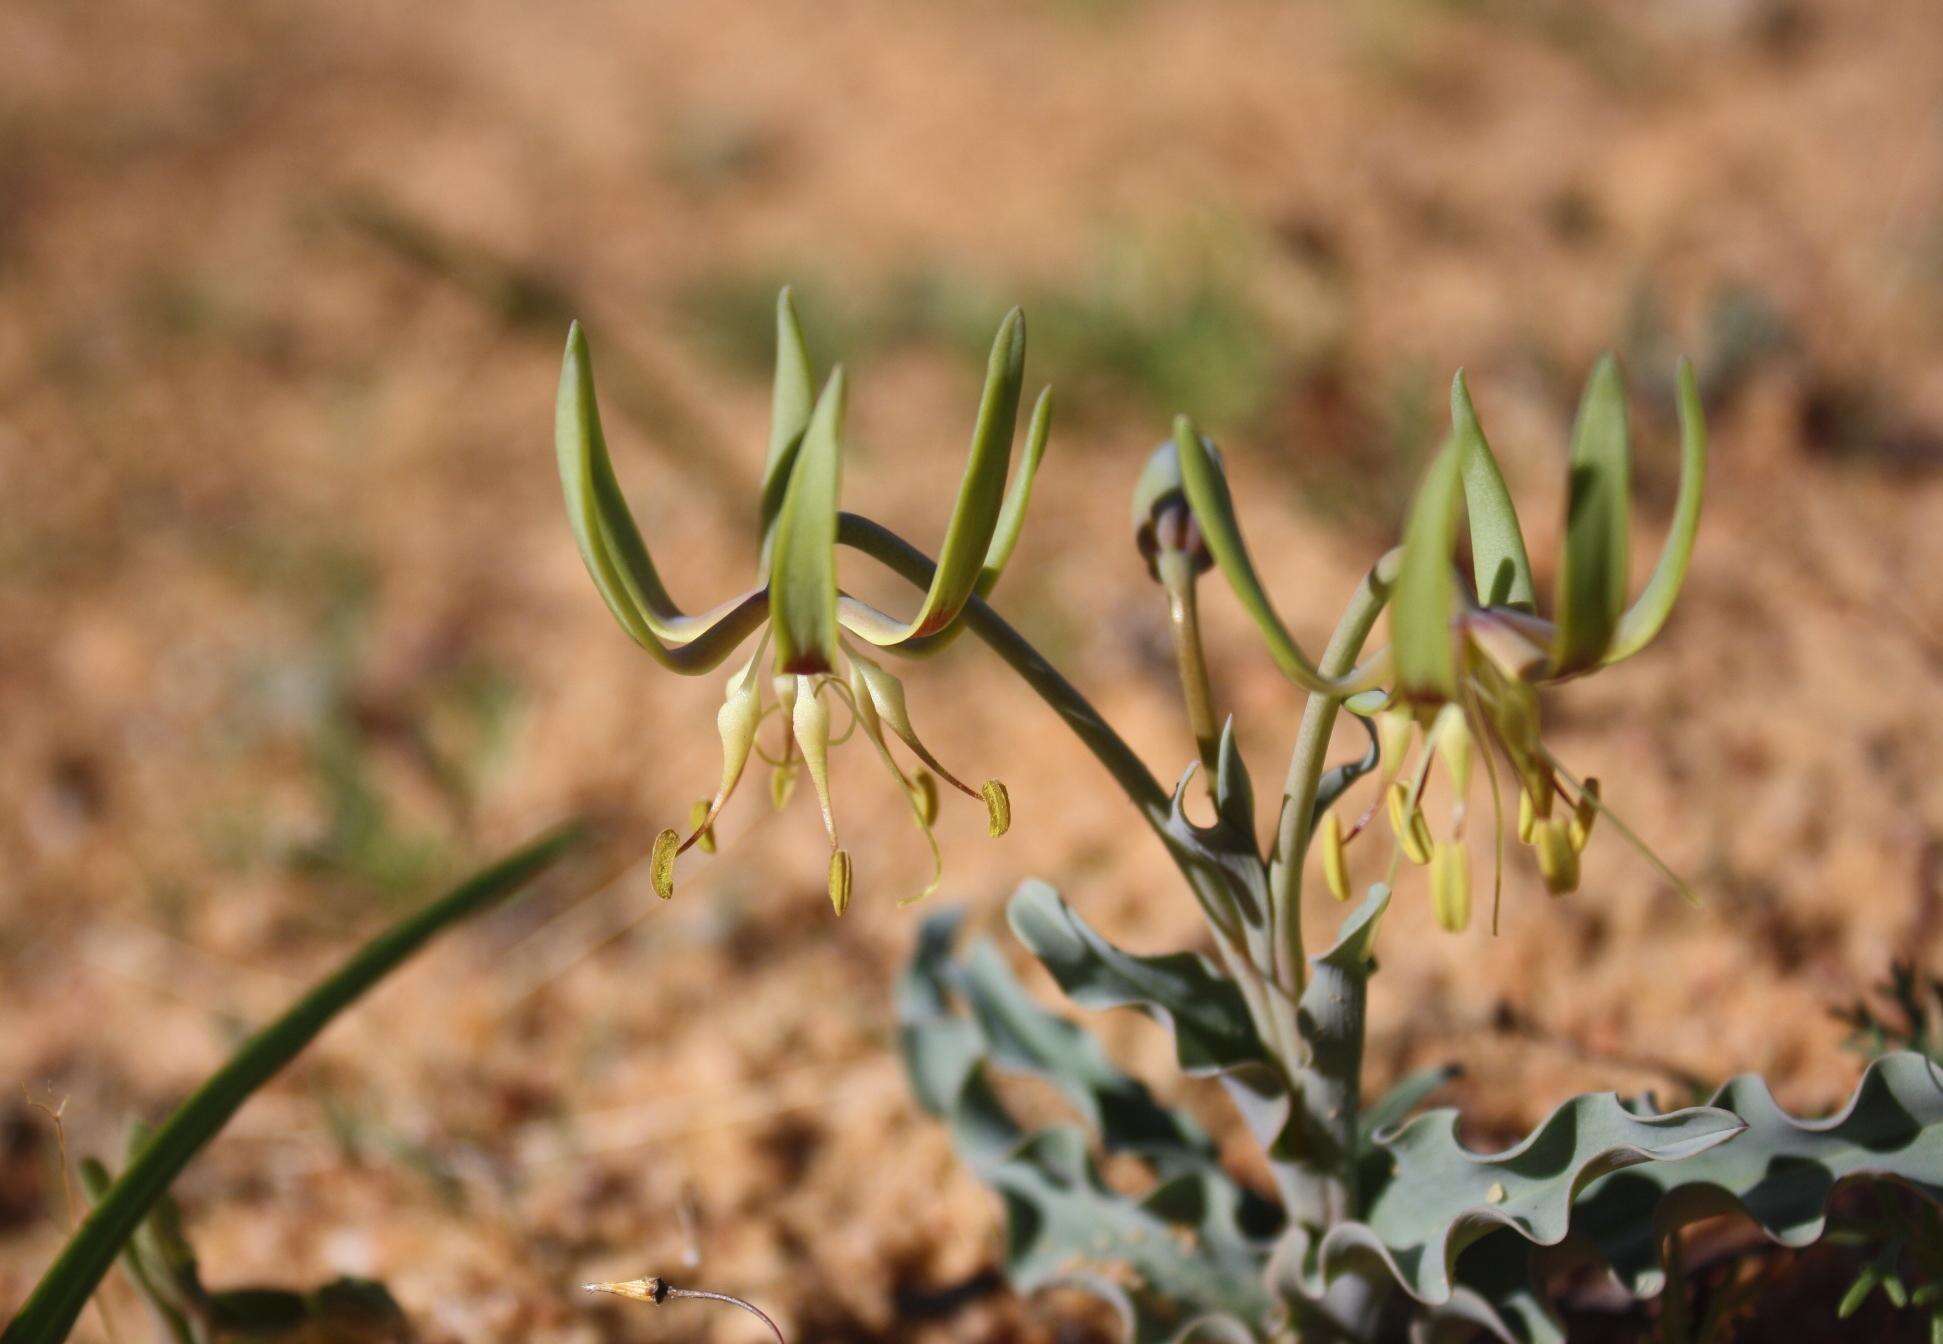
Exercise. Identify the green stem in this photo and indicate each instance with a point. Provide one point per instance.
(65, 1288)
(1177, 576)
(1297, 821)
(1108, 747)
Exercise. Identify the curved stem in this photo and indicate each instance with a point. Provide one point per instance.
(1297, 821)
(1108, 747)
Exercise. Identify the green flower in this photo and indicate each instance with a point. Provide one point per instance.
(1466, 660)
(819, 633)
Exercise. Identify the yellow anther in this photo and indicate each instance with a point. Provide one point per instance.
(840, 880)
(1407, 821)
(1450, 884)
(1558, 861)
(924, 792)
(1335, 863)
(1583, 813)
(661, 864)
(782, 783)
(1527, 817)
(998, 808)
(700, 827)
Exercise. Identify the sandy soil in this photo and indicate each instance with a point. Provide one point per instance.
(291, 624)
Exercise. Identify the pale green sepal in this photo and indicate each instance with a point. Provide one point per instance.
(1655, 602)
(1425, 599)
(1206, 487)
(1498, 557)
(1592, 571)
(981, 498)
(792, 398)
(803, 560)
(1011, 519)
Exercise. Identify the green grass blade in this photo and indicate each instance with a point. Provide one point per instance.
(1655, 602)
(1498, 557)
(50, 1311)
(1592, 574)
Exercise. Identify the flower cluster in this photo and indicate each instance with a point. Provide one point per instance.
(818, 633)
(1465, 663)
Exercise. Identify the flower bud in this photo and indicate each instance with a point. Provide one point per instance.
(1161, 517)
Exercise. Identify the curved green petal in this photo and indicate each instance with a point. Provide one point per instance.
(792, 398)
(1011, 519)
(1498, 557)
(1592, 574)
(803, 559)
(1425, 598)
(1655, 602)
(611, 545)
(1214, 512)
(981, 498)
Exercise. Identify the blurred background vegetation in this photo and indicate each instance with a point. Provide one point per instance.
(292, 628)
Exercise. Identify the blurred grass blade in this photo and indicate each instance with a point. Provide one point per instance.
(981, 498)
(1592, 573)
(1498, 556)
(611, 546)
(803, 560)
(1425, 599)
(1206, 487)
(1011, 520)
(791, 400)
(1655, 602)
(50, 1312)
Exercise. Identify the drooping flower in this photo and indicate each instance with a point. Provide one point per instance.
(1465, 661)
(818, 632)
